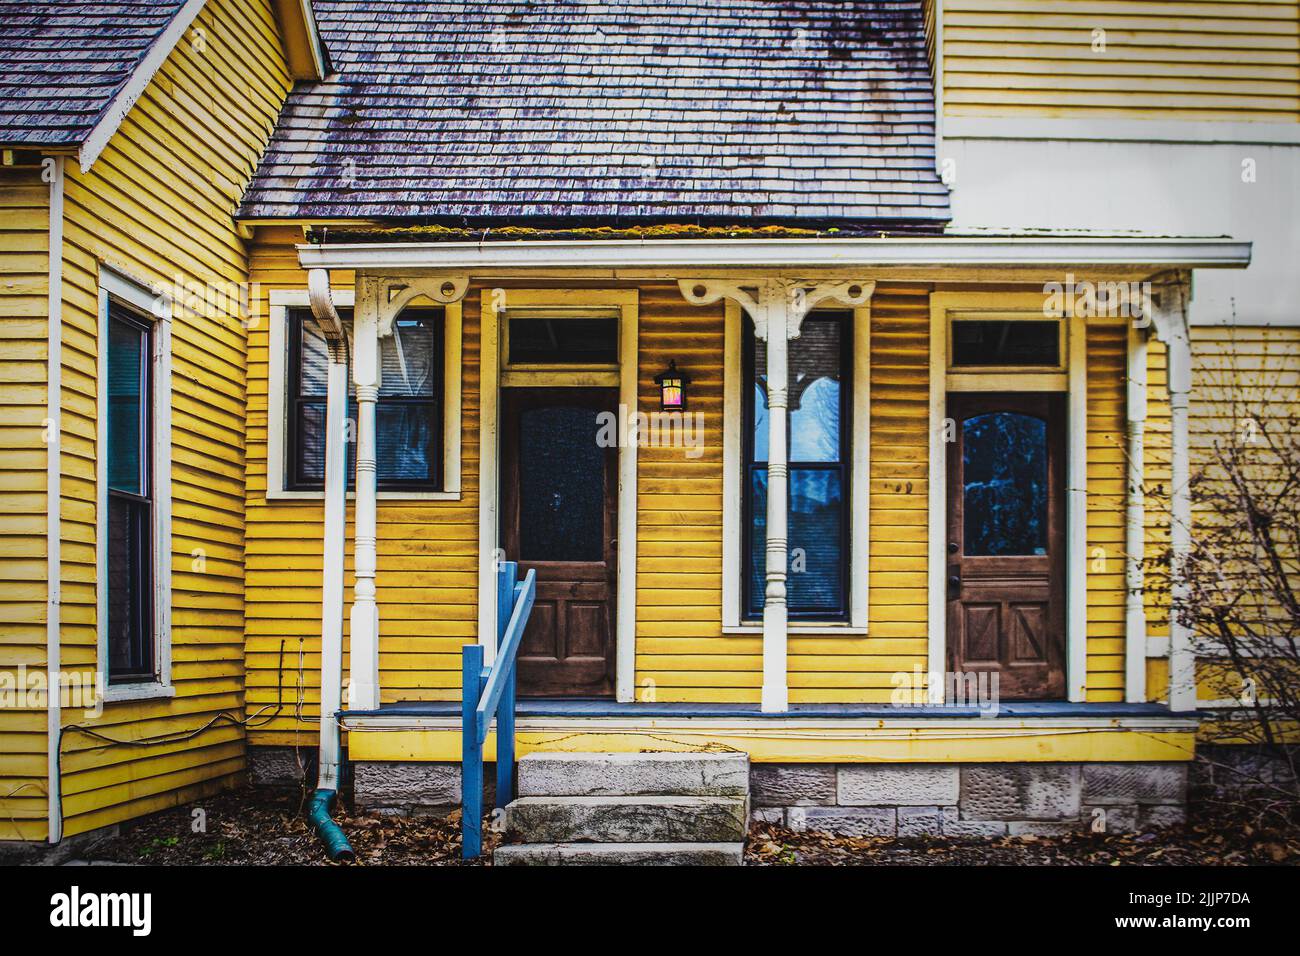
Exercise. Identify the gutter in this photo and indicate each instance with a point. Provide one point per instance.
(331, 644)
(53, 504)
(1060, 252)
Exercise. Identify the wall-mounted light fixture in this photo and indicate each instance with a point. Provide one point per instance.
(672, 388)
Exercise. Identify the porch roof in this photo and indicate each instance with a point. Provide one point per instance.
(821, 111)
(880, 255)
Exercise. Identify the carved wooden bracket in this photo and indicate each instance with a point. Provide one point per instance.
(383, 297)
(759, 297)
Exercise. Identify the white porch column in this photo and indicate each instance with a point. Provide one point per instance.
(379, 300)
(776, 616)
(777, 308)
(1171, 326)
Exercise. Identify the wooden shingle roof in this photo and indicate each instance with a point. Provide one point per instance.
(62, 62)
(780, 110)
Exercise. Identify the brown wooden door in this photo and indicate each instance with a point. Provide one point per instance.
(1006, 541)
(559, 497)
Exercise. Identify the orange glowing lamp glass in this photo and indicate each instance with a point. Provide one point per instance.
(672, 388)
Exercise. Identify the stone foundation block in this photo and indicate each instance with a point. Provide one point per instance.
(1134, 783)
(407, 785)
(897, 785)
(846, 821)
(1020, 792)
(1115, 818)
(1165, 815)
(792, 785)
(920, 821)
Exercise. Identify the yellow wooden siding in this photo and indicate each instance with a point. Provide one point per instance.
(158, 204)
(427, 550)
(1107, 364)
(24, 288)
(1164, 60)
(1245, 380)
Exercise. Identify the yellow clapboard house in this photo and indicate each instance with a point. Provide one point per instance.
(815, 360)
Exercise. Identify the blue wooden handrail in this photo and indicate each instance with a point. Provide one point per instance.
(489, 692)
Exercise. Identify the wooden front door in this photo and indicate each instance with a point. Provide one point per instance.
(1006, 541)
(559, 497)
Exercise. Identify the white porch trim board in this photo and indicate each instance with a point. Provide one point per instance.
(1076, 510)
(54, 501)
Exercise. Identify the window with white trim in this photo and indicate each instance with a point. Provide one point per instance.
(819, 395)
(408, 415)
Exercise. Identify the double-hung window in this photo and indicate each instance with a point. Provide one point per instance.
(408, 415)
(131, 499)
(819, 394)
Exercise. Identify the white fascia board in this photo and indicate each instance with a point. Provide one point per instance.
(140, 78)
(697, 255)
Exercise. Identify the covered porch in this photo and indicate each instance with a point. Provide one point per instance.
(767, 289)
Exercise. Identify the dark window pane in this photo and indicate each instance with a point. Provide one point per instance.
(311, 437)
(405, 442)
(979, 342)
(408, 357)
(563, 341)
(314, 359)
(815, 576)
(561, 485)
(1004, 472)
(128, 350)
(130, 589)
(815, 371)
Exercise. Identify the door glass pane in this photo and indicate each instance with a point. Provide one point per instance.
(127, 348)
(561, 485)
(1004, 476)
(815, 574)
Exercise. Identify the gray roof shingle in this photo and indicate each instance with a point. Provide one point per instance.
(627, 109)
(62, 62)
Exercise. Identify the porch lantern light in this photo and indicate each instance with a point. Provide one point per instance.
(672, 388)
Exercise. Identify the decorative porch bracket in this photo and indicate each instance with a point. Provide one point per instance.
(379, 300)
(777, 307)
(1169, 316)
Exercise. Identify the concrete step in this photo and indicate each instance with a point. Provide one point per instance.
(619, 854)
(627, 819)
(600, 774)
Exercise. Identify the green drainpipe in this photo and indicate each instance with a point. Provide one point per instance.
(331, 834)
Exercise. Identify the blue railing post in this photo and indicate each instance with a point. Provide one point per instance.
(506, 579)
(471, 753)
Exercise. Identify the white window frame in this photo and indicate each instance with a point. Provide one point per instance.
(137, 296)
(859, 483)
(282, 300)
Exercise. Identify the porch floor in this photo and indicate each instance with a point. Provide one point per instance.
(596, 707)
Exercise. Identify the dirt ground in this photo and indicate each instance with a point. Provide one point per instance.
(263, 827)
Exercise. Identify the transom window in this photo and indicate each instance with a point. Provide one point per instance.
(130, 532)
(408, 415)
(560, 338)
(1003, 343)
(819, 405)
